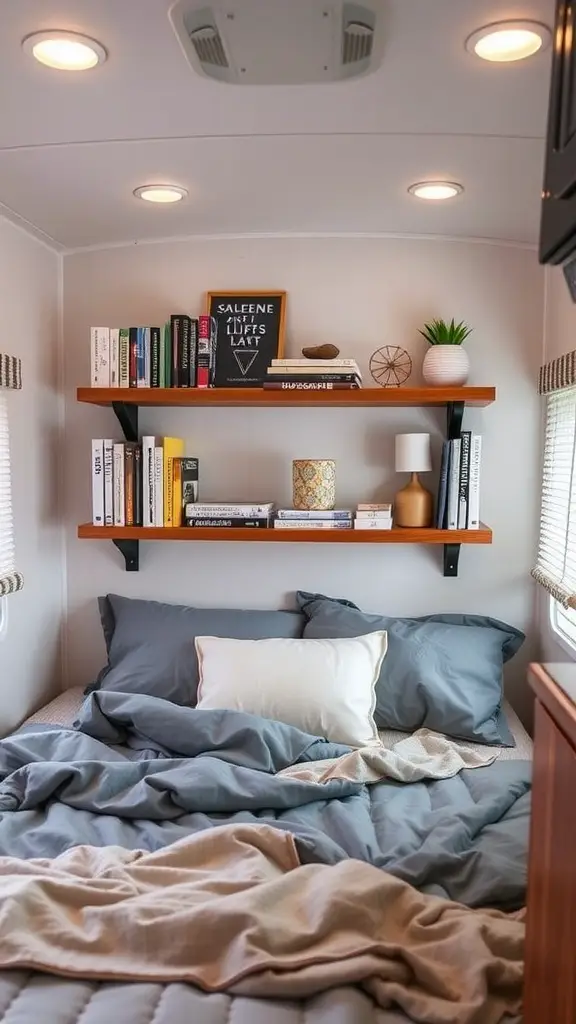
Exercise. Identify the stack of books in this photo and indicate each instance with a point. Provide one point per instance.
(146, 484)
(313, 375)
(458, 504)
(226, 514)
(373, 517)
(304, 519)
(178, 354)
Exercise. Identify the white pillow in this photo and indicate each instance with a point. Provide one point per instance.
(324, 687)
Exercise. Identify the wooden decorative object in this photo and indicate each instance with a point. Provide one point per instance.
(390, 366)
(413, 505)
(321, 352)
(249, 335)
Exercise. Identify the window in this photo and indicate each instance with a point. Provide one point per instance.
(563, 622)
(556, 563)
(10, 580)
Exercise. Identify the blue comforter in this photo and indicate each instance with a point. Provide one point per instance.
(140, 772)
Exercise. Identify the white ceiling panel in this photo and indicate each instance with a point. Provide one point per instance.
(83, 195)
(301, 158)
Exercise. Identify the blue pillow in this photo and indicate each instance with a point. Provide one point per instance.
(150, 645)
(441, 672)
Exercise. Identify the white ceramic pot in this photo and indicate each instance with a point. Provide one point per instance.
(446, 366)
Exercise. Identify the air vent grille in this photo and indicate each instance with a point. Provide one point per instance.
(207, 42)
(357, 42)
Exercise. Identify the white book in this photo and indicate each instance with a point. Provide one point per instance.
(98, 482)
(207, 509)
(474, 482)
(119, 514)
(305, 513)
(114, 357)
(312, 524)
(158, 486)
(100, 357)
(384, 506)
(316, 362)
(368, 514)
(108, 482)
(373, 524)
(454, 484)
(148, 446)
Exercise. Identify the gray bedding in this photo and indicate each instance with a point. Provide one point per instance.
(140, 773)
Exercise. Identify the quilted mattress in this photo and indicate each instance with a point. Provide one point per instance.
(32, 998)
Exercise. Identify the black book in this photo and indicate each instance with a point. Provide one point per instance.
(258, 524)
(464, 480)
(138, 485)
(176, 342)
(184, 354)
(193, 354)
(133, 357)
(441, 503)
(189, 475)
(154, 357)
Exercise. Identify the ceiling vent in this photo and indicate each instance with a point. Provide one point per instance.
(280, 42)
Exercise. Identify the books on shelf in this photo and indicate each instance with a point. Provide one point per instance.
(312, 524)
(229, 514)
(141, 484)
(307, 513)
(458, 501)
(161, 356)
(373, 516)
(313, 375)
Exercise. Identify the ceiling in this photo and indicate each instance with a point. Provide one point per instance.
(328, 158)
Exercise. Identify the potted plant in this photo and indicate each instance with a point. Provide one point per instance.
(446, 362)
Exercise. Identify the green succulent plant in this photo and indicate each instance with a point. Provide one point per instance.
(438, 332)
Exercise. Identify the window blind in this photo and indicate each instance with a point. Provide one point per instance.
(10, 580)
(555, 566)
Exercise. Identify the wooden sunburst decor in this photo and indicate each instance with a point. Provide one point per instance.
(390, 366)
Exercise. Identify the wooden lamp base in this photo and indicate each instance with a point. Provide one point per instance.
(413, 505)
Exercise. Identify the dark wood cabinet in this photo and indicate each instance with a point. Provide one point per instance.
(550, 960)
(558, 224)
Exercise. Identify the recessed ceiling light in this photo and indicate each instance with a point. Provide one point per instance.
(160, 193)
(436, 189)
(507, 41)
(65, 51)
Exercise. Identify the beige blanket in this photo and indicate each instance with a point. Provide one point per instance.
(423, 755)
(231, 909)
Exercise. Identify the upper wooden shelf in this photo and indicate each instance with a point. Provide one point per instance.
(216, 397)
(397, 535)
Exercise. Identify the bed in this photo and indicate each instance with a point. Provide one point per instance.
(463, 837)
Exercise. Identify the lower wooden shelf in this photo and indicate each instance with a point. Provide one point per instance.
(245, 534)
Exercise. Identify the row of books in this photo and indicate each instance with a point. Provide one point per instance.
(458, 504)
(313, 375)
(179, 354)
(366, 517)
(145, 484)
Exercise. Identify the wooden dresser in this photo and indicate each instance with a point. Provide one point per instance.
(550, 974)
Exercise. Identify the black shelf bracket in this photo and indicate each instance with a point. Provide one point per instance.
(129, 549)
(451, 556)
(128, 418)
(455, 412)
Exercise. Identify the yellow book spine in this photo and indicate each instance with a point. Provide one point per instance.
(173, 449)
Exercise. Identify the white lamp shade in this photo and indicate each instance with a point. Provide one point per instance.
(413, 453)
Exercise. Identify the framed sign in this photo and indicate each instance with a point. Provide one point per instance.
(249, 329)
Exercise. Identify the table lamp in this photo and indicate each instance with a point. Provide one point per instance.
(413, 505)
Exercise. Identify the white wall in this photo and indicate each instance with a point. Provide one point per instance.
(360, 293)
(30, 658)
(559, 338)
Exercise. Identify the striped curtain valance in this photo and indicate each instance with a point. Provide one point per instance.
(10, 584)
(557, 374)
(10, 372)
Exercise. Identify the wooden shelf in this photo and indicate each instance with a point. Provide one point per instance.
(246, 534)
(218, 397)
